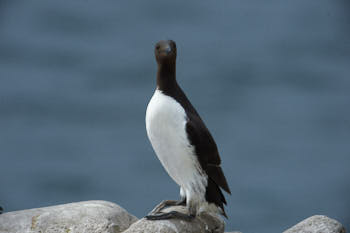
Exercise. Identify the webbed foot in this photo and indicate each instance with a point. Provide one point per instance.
(170, 215)
(167, 203)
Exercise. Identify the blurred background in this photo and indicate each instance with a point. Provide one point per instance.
(270, 79)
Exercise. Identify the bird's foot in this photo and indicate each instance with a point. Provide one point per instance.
(167, 203)
(171, 215)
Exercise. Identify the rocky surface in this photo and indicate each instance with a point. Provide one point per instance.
(107, 217)
(203, 223)
(317, 224)
(87, 217)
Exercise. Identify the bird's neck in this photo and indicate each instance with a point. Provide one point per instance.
(166, 76)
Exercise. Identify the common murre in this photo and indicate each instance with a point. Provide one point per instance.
(183, 144)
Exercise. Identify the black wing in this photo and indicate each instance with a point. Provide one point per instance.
(206, 150)
(209, 159)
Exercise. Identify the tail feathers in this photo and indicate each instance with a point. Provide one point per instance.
(215, 172)
(214, 195)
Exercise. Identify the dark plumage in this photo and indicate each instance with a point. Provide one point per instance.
(205, 148)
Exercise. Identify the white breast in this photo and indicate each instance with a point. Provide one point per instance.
(165, 124)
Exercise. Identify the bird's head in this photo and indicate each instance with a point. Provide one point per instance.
(165, 52)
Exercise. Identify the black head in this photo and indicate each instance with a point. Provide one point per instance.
(165, 52)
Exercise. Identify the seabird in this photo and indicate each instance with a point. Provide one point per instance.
(183, 144)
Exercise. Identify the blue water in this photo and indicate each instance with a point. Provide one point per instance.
(270, 79)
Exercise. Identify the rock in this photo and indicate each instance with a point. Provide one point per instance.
(204, 223)
(87, 217)
(107, 217)
(317, 224)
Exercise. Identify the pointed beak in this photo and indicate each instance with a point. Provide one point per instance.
(167, 49)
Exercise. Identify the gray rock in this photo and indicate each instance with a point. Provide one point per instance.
(107, 217)
(205, 223)
(317, 224)
(85, 217)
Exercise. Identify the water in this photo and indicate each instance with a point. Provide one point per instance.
(270, 79)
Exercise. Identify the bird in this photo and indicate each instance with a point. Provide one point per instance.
(183, 144)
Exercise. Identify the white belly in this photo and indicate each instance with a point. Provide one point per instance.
(165, 124)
